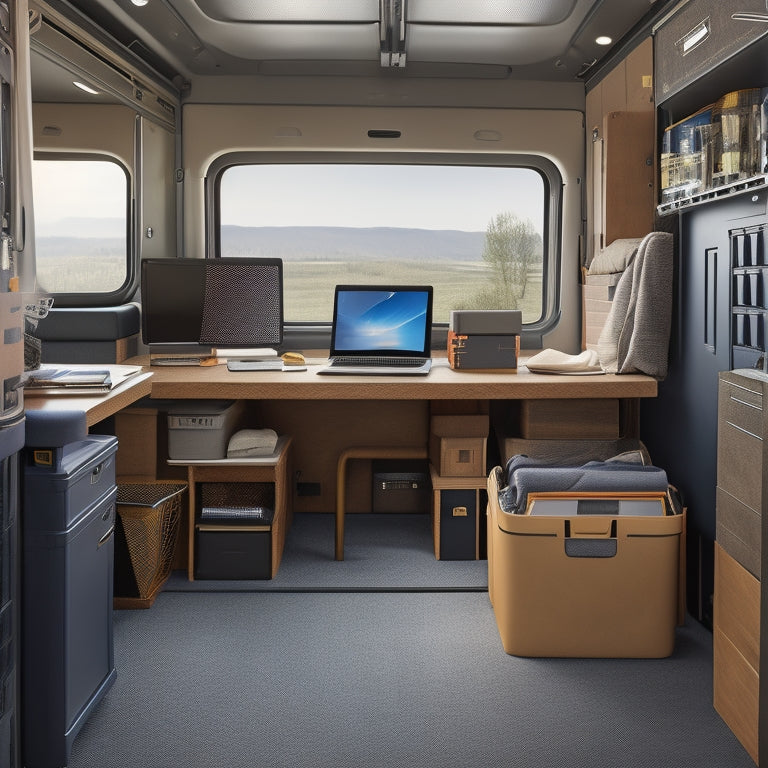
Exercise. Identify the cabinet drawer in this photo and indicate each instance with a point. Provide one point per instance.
(739, 444)
(699, 37)
(742, 407)
(737, 606)
(739, 531)
(735, 692)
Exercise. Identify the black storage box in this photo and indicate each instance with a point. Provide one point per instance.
(229, 552)
(400, 486)
(458, 524)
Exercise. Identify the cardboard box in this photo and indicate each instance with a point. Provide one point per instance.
(564, 419)
(570, 452)
(457, 444)
(200, 429)
(592, 586)
(598, 292)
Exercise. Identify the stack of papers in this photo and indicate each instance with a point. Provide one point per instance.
(76, 379)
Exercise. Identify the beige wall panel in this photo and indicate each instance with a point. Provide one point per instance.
(102, 128)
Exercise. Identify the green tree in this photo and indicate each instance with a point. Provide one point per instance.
(510, 250)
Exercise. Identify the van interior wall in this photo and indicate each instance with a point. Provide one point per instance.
(621, 193)
(104, 128)
(211, 130)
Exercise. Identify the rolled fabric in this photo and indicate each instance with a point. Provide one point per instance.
(595, 476)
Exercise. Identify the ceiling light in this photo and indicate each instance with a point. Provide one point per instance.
(139, 3)
(84, 87)
(603, 40)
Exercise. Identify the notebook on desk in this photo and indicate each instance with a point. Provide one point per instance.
(381, 330)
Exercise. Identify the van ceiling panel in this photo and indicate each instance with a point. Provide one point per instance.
(532, 39)
(295, 41)
(347, 11)
(510, 46)
(515, 12)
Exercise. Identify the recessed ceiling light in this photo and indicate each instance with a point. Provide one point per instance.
(139, 3)
(603, 40)
(84, 87)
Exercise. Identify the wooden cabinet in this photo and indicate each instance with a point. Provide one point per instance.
(234, 540)
(739, 629)
(620, 149)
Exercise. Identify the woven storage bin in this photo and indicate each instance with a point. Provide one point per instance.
(148, 516)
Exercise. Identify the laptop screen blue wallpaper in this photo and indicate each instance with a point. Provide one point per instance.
(381, 320)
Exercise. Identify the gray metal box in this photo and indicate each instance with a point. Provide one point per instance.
(200, 429)
(499, 322)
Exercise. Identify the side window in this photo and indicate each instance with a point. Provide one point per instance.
(477, 233)
(81, 209)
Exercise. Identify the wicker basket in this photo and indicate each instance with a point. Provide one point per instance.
(147, 531)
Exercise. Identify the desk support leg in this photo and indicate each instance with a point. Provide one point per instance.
(341, 480)
(385, 452)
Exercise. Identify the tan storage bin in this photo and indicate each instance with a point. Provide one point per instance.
(551, 601)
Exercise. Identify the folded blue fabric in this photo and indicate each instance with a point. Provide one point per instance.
(526, 475)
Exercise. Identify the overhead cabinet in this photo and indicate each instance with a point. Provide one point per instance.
(700, 37)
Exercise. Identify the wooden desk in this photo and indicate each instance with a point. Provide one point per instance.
(96, 407)
(442, 383)
(325, 436)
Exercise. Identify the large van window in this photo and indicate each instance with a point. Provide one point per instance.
(475, 233)
(81, 225)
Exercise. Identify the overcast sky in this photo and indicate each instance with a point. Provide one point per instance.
(425, 197)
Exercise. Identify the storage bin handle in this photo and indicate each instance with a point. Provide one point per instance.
(590, 537)
(106, 537)
(590, 527)
(590, 548)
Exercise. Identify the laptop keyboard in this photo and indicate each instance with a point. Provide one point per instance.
(378, 362)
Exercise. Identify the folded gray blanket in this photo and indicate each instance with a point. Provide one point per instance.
(526, 475)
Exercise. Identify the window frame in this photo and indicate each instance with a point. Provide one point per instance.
(131, 283)
(304, 335)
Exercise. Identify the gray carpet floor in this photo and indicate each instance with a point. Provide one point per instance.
(388, 659)
(389, 680)
(381, 551)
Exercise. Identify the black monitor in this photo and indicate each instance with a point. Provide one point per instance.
(190, 305)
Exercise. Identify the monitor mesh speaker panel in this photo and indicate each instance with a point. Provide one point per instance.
(240, 310)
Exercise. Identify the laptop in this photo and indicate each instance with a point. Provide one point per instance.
(381, 330)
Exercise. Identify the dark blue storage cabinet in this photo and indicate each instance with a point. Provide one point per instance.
(68, 519)
(679, 427)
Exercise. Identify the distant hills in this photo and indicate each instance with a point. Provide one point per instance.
(351, 243)
(289, 243)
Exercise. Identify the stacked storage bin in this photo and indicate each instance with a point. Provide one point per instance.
(457, 453)
(68, 519)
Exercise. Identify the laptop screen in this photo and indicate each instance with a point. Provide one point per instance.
(382, 320)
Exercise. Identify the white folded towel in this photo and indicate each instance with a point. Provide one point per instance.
(252, 442)
(554, 361)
